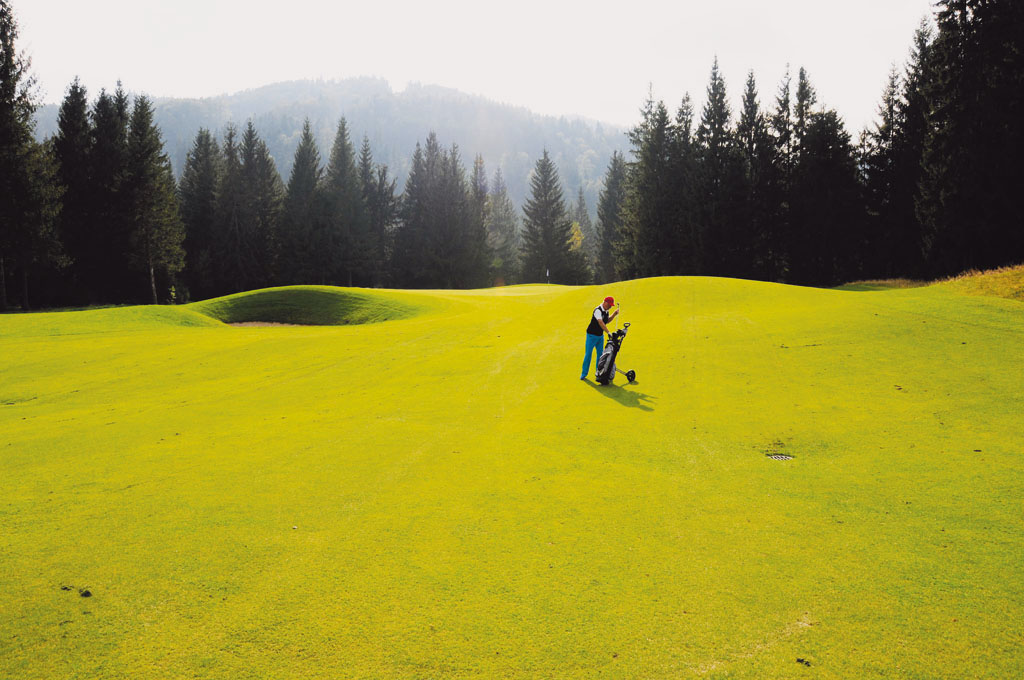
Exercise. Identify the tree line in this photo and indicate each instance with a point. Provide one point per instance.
(785, 194)
(93, 214)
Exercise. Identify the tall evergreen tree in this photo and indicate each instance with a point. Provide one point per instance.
(198, 196)
(346, 223)
(234, 248)
(262, 197)
(761, 182)
(298, 215)
(72, 149)
(157, 233)
(102, 258)
(610, 205)
(502, 233)
(547, 231)
(908, 150)
(381, 206)
(878, 161)
(780, 127)
(803, 108)
(648, 237)
(581, 218)
(826, 204)
(972, 170)
(460, 241)
(34, 244)
(724, 225)
(29, 185)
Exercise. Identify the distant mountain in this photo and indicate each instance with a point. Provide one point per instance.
(506, 136)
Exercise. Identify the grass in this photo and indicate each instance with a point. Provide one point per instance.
(436, 494)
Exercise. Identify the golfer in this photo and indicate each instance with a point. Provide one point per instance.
(596, 330)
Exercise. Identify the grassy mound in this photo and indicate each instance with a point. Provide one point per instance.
(311, 305)
(101, 320)
(799, 476)
(1007, 282)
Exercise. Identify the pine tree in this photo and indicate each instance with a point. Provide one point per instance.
(761, 182)
(262, 198)
(72, 150)
(102, 258)
(346, 223)
(408, 262)
(198, 196)
(581, 218)
(826, 204)
(298, 216)
(234, 250)
(878, 246)
(724, 228)
(29, 186)
(908, 150)
(157, 233)
(502, 233)
(610, 205)
(969, 202)
(803, 108)
(778, 226)
(381, 206)
(648, 233)
(547, 231)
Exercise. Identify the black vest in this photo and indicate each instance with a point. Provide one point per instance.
(595, 328)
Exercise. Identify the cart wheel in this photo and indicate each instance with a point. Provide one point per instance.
(630, 376)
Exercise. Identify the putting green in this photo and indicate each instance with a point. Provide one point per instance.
(424, 488)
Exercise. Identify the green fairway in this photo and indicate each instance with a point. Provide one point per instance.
(422, 487)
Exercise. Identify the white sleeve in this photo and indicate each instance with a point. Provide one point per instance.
(597, 314)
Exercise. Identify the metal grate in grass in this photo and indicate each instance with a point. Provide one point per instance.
(779, 456)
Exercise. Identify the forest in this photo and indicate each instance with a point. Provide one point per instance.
(94, 214)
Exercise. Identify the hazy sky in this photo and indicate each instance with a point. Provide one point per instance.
(593, 58)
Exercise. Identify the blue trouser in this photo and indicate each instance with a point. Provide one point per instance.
(594, 343)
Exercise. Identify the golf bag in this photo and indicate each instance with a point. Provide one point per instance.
(606, 362)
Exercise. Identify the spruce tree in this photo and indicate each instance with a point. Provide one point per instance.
(408, 262)
(724, 227)
(581, 218)
(648, 234)
(102, 256)
(381, 206)
(298, 216)
(157, 233)
(262, 197)
(803, 108)
(761, 182)
(72, 149)
(972, 174)
(879, 244)
(198, 195)
(908, 150)
(610, 205)
(826, 204)
(502, 233)
(29, 184)
(345, 221)
(234, 249)
(547, 230)
(780, 127)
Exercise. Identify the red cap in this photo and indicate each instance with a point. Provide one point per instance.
(610, 300)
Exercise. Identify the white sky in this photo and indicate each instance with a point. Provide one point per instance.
(592, 58)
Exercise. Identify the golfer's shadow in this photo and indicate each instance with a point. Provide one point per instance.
(626, 397)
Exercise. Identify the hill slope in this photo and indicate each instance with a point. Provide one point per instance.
(508, 137)
(441, 496)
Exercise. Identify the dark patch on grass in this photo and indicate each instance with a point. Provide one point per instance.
(803, 661)
(85, 592)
